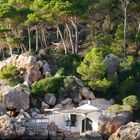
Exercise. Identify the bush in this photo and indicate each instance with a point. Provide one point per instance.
(133, 101)
(47, 85)
(100, 85)
(116, 108)
(60, 72)
(127, 87)
(11, 74)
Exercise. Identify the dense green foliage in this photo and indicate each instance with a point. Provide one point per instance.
(47, 85)
(9, 71)
(132, 101)
(93, 69)
(11, 74)
(116, 109)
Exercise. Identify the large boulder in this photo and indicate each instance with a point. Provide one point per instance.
(86, 93)
(109, 123)
(67, 103)
(32, 67)
(50, 99)
(44, 106)
(131, 131)
(112, 64)
(33, 73)
(74, 88)
(45, 67)
(16, 99)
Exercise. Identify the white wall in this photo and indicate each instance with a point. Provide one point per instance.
(60, 119)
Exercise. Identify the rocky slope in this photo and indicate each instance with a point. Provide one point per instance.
(131, 131)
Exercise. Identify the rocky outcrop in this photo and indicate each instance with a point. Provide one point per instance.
(16, 99)
(44, 106)
(50, 99)
(131, 131)
(109, 123)
(112, 62)
(86, 93)
(34, 69)
(76, 90)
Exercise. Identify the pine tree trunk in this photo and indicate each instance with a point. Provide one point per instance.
(125, 30)
(76, 37)
(29, 38)
(70, 37)
(37, 42)
(44, 37)
(64, 44)
(137, 40)
(24, 47)
(57, 34)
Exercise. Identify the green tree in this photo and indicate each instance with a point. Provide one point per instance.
(93, 69)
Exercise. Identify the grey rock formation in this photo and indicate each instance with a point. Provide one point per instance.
(131, 131)
(67, 101)
(16, 99)
(112, 62)
(50, 99)
(44, 106)
(109, 123)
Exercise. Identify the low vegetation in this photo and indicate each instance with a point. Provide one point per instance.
(11, 74)
(133, 101)
(116, 108)
(47, 85)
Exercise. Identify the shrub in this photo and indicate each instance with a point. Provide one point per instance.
(116, 108)
(47, 85)
(60, 72)
(11, 74)
(9, 71)
(100, 85)
(127, 87)
(132, 100)
(15, 80)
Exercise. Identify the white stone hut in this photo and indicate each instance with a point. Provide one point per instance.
(77, 120)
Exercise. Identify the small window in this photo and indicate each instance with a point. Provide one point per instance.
(73, 120)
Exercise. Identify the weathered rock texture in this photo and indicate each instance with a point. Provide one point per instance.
(109, 123)
(75, 89)
(16, 99)
(112, 64)
(131, 131)
(33, 68)
(50, 99)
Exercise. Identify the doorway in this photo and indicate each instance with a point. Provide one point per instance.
(88, 125)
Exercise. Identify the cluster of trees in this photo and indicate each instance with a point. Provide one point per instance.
(110, 26)
(26, 24)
